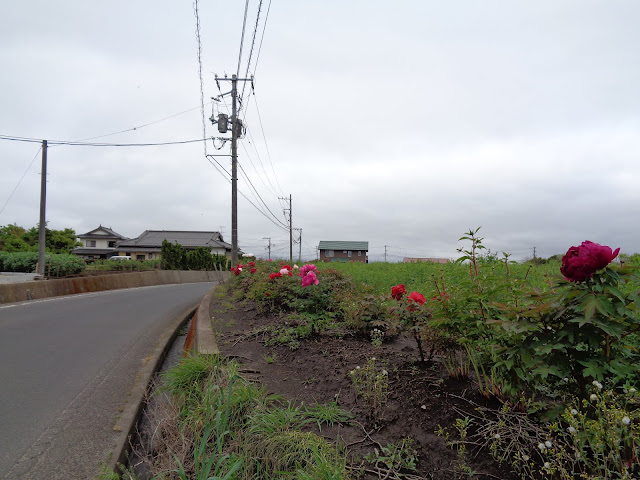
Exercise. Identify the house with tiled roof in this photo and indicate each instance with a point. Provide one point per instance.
(343, 251)
(98, 243)
(148, 245)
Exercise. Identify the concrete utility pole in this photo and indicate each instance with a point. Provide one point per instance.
(299, 245)
(385, 253)
(236, 130)
(268, 238)
(290, 228)
(234, 172)
(290, 233)
(43, 206)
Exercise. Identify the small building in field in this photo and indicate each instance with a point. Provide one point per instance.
(343, 251)
(148, 245)
(424, 260)
(99, 243)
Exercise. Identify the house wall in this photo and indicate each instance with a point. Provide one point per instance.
(344, 254)
(100, 243)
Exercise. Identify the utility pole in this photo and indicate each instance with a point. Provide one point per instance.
(385, 253)
(234, 172)
(290, 228)
(43, 205)
(299, 245)
(534, 253)
(268, 238)
(236, 130)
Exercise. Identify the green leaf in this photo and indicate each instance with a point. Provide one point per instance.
(589, 307)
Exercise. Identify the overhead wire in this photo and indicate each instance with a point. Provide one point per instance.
(198, 39)
(20, 181)
(244, 26)
(253, 43)
(96, 144)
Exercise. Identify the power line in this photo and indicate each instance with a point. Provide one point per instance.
(244, 25)
(258, 195)
(253, 43)
(93, 144)
(143, 125)
(204, 125)
(20, 181)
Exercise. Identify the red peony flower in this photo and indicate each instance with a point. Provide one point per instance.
(580, 263)
(441, 296)
(253, 270)
(274, 275)
(417, 298)
(398, 292)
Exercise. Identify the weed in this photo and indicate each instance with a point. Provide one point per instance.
(395, 457)
(372, 386)
(327, 414)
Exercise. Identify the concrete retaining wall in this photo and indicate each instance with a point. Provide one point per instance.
(19, 292)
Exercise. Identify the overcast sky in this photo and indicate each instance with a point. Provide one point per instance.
(399, 123)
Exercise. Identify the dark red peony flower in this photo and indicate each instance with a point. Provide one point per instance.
(274, 275)
(580, 263)
(398, 292)
(416, 297)
(253, 270)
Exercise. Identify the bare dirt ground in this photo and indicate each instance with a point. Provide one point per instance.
(421, 397)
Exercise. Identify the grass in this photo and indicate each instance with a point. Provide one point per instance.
(220, 426)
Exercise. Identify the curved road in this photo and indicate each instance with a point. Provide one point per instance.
(67, 365)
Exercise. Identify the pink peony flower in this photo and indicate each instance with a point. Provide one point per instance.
(580, 263)
(310, 267)
(309, 279)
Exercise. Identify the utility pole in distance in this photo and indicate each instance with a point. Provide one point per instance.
(385, 253)
(290, 228)
(299, 245)
(268, 238)
(43, 206)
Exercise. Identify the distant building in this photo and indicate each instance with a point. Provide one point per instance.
(343, 251)
(425, 260)
(98, 243)
(148, 245)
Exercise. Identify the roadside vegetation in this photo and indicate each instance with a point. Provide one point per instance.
(210, 423)
(556, 343)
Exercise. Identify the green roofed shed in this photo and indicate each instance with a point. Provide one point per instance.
(343, 251)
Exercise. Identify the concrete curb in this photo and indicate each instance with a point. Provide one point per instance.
(132, 411)
(204, 342)
(19, 292)
(205, 339)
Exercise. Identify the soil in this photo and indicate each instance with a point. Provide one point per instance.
(421, 397)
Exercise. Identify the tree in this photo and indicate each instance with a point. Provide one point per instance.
(14, 238)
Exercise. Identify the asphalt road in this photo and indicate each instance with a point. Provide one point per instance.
(67, 365)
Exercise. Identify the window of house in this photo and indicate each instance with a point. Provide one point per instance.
(329, 253)
(140, 257)
(344, 251)
(349, 254)
(91, 243)
(128, 254)
(359, 253)
(112, 244)
(151, 256)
